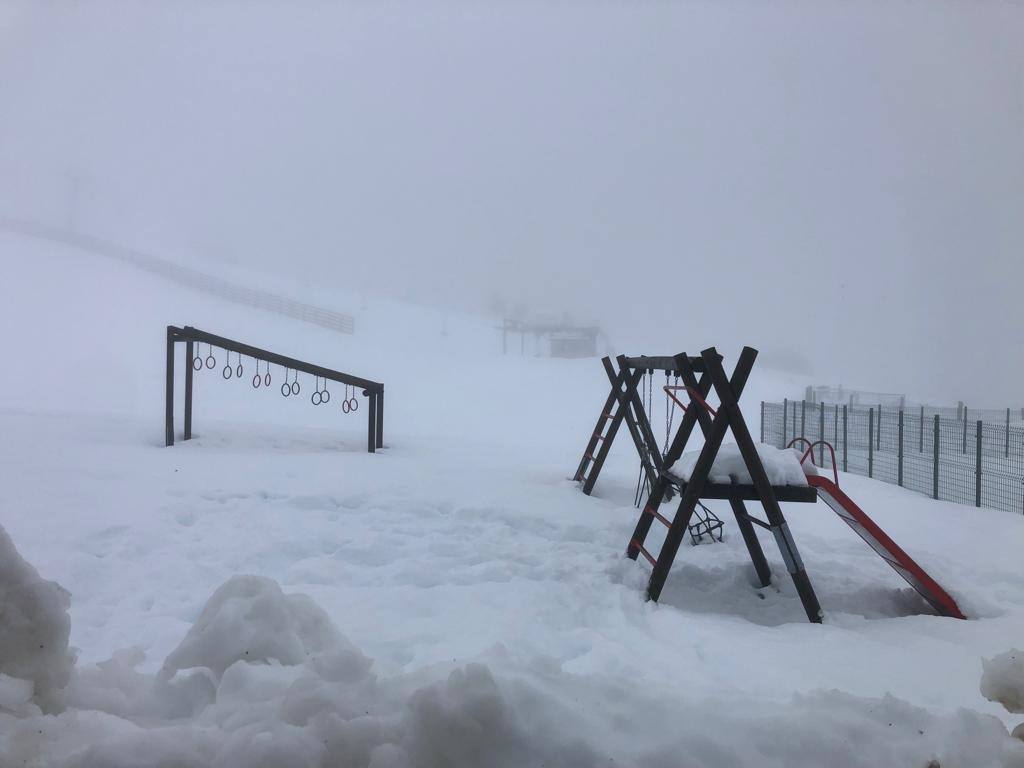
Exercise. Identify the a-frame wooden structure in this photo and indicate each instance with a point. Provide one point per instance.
(624, 404)
(714, 425)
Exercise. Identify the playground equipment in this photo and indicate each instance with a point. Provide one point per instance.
(695, 485)
(631, 401)
(196, 362)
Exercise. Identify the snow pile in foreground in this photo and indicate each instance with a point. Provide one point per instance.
(782, 465)
(1002, 681)
(35, 663)
(264, 678)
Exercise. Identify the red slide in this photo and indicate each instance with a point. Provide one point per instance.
(886, 548)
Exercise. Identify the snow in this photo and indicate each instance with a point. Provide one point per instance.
(782, 465)
(35, 663)
(1003, 680)
(453, 600)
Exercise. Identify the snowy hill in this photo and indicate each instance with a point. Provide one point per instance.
(466, 605)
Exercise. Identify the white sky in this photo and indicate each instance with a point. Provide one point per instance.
(836, 182)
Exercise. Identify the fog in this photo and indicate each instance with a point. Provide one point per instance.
(838, 184)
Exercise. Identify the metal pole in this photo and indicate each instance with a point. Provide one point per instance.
(1007, 454)
(371, 424)
(380, 418)
(871, 441)
(188, 388)
(785, 417)
(900, 454)
(920, 438)
(169, 405)
(846, 465)
(803, 419)
(935, 458)
(878, 432)
(821, 435)
(977, 466)
(762, 423)
(963, 448)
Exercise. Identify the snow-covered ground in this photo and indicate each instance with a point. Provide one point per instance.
(467, 605)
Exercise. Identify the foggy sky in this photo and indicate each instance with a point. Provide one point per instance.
(837, 183)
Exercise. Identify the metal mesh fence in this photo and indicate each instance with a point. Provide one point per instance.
(969, 461)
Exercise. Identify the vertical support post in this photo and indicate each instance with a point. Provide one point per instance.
(169, 405)
(821, 435)
(835, 428)
(920, 438)
(878, 432)
(846, 464)
(803, 419)
(899, 471)
(935, 458)
(380, 418)
(977, 465)
(189, 354)
(1007, 453)
(871, 441)
(371, 419)
(785, 418)
(762, 421)
(963, 448)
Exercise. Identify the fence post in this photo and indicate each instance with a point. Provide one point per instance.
(920, 440)
(846, 464)
(899, 471)
(785, 417)
(935, 458)
(762, 421)
(835, 437)
(803, 419)
(871, 440)
(169, 390)
(963, 448)
(977, 466)
(878, 431)
(1007, 454)
(821, 435)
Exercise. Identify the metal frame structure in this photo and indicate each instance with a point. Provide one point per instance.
(190, 336)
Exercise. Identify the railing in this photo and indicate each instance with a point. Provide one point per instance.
(969, 462)
(373, 390)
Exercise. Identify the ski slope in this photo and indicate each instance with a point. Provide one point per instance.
(467, 606)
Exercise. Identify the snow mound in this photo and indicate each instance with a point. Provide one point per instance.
(250, 619)
(1002, 680)
(782, 465)
(35, 663)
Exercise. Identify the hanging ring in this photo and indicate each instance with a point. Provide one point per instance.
(315, 398)
(226, 373)
(345, 406)
(238, 370)
(325, 396)
(285, 389)
(197, 363)
(295, 386)
(266, 379)
(256, 381)
(210, 361)
(353, 404)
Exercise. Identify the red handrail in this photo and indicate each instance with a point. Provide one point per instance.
(810, 453)
(694, 395)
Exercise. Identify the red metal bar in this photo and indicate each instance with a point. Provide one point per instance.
(658, 516)
(644, 552)
(809, 453)
(694, 395)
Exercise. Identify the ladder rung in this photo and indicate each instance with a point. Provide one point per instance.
(589, 456)
(599, 436)
(657, 516)
(607, 416)
(644, 552)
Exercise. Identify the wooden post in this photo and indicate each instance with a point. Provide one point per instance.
(169, 387)
(189, 354)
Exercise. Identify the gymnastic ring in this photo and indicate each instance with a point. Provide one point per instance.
(197, 363)
(315, 398)
(344, 406)
(256, 381)
(325, 396)
(295, 387)
(285, 389)
(266, 379)
(211, 361)
(353, 405)
(226, 373)
(238, 371)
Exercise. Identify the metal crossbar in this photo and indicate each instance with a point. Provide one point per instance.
(190, 336)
